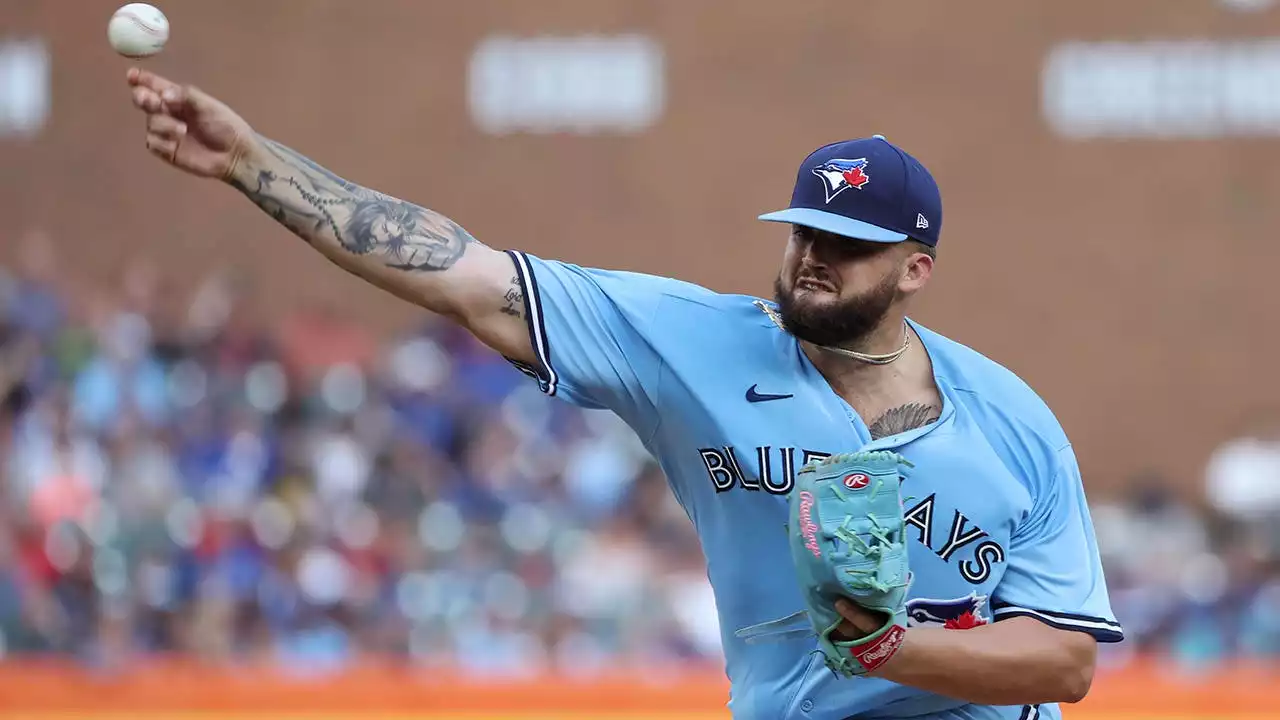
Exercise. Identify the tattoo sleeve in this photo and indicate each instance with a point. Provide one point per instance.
(328, 211)
(903, 418)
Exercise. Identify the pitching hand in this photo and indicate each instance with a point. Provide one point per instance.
(187, 128)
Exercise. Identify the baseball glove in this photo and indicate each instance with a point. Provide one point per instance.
(847, 540)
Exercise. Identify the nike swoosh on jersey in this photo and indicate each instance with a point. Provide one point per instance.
(755, 397)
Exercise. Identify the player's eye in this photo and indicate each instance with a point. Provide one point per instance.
(858, 249)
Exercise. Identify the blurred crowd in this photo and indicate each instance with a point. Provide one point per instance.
(1200, 583)
(178, 475)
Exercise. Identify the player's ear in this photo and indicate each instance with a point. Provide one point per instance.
(916, 271)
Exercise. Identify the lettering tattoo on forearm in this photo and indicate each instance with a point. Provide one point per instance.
(903, 418)
(318, 206)
(514, 299)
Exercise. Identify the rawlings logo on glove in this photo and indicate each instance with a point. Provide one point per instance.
(807, 528)
(848, 541)
(874, 654)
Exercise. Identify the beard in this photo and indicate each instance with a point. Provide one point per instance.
(835, 324)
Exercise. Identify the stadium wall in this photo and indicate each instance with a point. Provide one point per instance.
(1122, 279)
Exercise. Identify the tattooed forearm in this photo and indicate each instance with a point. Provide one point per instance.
(416, 254)
(514, 299)
(323, 208)
(294, 156)
(902, 419)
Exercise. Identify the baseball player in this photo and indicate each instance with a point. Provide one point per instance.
(734, 395)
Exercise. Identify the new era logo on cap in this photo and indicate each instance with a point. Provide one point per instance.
(867, 189)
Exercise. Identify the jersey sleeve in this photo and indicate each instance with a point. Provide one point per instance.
(593, 335)
(1054, 571)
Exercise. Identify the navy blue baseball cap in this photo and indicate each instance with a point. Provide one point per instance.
(867, 189)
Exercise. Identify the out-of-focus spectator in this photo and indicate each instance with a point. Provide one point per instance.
(36, 304)
(122, 376)
(58, 466)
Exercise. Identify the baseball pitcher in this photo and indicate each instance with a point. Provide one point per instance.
(894, 525)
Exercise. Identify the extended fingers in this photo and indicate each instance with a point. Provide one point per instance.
(138, 77)
(164, 135)
(165, 126)
(154, 93)
(162, 147)
(147, 100)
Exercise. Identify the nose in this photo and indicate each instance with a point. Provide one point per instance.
(812, 254)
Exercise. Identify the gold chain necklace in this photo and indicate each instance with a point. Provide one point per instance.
(882, 359)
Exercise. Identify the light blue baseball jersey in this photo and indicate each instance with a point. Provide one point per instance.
(731, 408)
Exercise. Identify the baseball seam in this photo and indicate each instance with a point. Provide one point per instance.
(141, 24)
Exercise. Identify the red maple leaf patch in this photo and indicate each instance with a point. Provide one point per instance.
(855, 177)
(965, 621)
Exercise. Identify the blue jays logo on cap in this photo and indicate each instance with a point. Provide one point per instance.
(839, 175)
(866, 189)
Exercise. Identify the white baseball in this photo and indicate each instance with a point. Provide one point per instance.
(138, 30)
